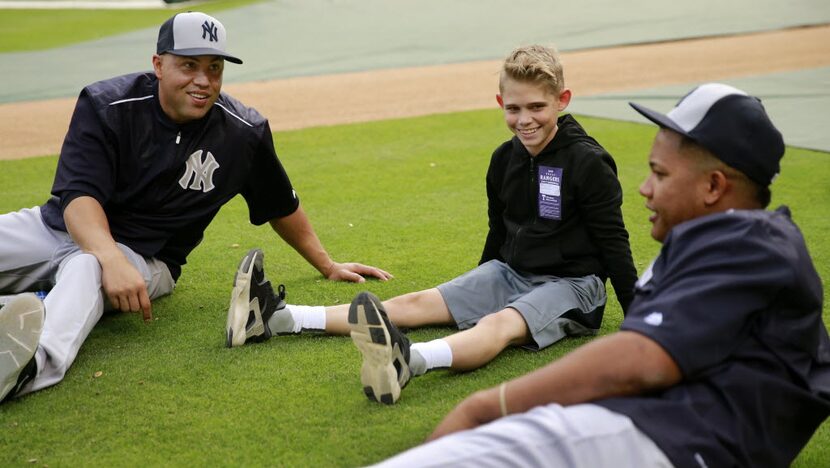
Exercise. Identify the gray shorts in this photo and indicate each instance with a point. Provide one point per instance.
(552, 307)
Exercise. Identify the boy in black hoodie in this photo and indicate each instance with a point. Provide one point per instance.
(556, 233)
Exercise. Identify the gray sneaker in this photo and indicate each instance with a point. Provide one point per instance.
(252, 302)
(385, 349)
(21, 322)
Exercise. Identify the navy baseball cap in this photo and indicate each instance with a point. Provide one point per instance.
(191, 34)
(731, 124)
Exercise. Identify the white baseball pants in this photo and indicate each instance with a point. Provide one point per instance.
(579, 436)
(34, 256)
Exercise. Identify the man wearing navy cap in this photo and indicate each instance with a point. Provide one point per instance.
(722, 359)
(148, 160)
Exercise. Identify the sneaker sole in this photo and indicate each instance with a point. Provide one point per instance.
(21, 322)
(370, 335)
(240, 306)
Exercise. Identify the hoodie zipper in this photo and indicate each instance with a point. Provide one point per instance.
(531, 192)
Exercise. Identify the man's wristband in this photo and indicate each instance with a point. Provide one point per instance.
(502, 402)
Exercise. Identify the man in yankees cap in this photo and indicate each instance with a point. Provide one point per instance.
(148, 160)
(722, 359)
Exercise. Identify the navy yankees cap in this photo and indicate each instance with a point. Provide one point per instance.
(731, 124)
(193, 33)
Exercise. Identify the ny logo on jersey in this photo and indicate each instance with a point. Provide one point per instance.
(209, 29)
(200, 171)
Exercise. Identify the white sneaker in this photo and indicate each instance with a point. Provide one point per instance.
(385, 349)
(21, 322)
(253, 302)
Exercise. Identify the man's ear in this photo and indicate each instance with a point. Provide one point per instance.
(718, 186)
(157, 65)
(564, 99)
(500, 101)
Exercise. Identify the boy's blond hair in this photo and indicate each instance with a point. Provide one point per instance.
(535, 64)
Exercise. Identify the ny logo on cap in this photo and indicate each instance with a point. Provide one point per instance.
(209, 29)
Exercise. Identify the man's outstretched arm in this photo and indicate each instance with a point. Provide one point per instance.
(625, 363)
(296, 230)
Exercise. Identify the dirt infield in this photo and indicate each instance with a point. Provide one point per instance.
(37, 128)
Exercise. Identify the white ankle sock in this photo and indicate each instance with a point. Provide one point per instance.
(307, 318)
(436, 353)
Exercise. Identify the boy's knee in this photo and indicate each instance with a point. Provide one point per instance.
(402, 308)
(507, 322)
(418, 308)
(405, 301)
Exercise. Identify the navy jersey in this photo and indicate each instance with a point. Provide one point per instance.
(735, 300)
(161, 183)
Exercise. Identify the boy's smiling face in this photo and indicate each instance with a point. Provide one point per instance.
(530, 111)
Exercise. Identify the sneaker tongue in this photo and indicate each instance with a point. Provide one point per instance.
(28, 373)
(417, 363)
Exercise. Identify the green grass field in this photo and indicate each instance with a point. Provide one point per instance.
(26, 30)
(405, 195)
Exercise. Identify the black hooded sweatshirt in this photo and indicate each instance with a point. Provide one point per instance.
(559, 213)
